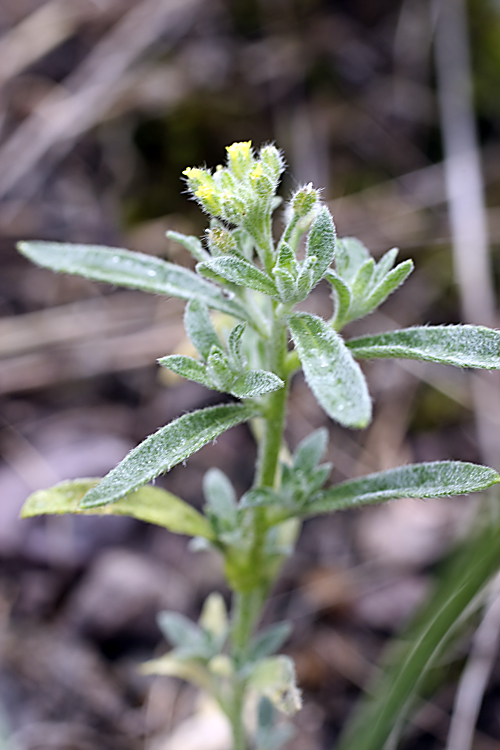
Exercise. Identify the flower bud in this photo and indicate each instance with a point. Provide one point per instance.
(222, 239)
(209, 198)
(240, 158)
(304, 200)
(273, 161)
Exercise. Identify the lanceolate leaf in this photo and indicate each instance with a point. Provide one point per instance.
(150, 504)
(436, 479)
(343, 297)
(187, 367)
(462, 346)
(191, 243)
(321, 243)
(125, 268)
(240, 272)
(388, 285)
(166, 448)
(331, 373)
(199, 328)
(255, 383)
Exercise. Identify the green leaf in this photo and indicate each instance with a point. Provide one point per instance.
(240, 272)
(166, 448)
(331, 373)
(350, 255)
(149, 504)
(199, 328)
(270, 640)
(462, 346)
(255, 383)
(274, 677)
(189, 368)
(387, 286)
(220, 495)
(125, 268)
(321, 243)
(384, 265)
(362, 281)
(191, 243)
(408, 660)
(180, 631)
(342, 296)
(434, 479)
(234, 343)
(310, 451)
(261, 497)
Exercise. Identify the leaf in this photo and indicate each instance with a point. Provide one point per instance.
(187, 367)
(220, 495)
(343, 298)
(256, 383)
(331, 373)
(310, 451)
(214, 618)
(408, 660)
(166, 448)
(191, 243)
(274, 677)
(321, 243)
(388, 285)
(180, 631)
(362, 281)
(149, 504)
(125, 268)
(259, 497)
(191, 670)
(234, 342)
(350, 255)
(462, 346)
(269, 640)
(384, 265)
(434, 479)
(200, 329)
(240, 272)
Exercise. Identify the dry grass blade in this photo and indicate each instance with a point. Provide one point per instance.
(68, 111)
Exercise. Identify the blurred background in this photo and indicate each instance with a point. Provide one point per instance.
(392, 108)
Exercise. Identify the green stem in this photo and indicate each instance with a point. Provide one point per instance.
(248, 605)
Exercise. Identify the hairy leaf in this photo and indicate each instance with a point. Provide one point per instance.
(274, 677)
(321, 243)
(240, 272)
(220, 494)
(255, 383)
(387, 286)
(310, 451)
(199, 328)
(362, 280)
(191, 243)
(234, 343)
(166, 448)
(150, 504)
(384, 265)
(350, 255)
(125, 268)
(342, 296)
(462, 346)
(434, 479)
(189, 368)
(331, 373)
(270, 640)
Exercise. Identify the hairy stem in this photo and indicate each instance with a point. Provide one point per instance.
(247, 606)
